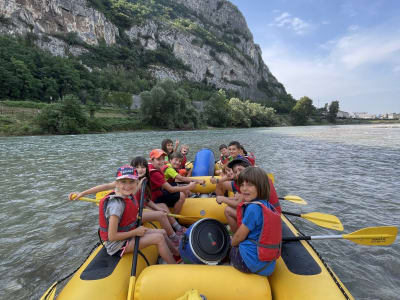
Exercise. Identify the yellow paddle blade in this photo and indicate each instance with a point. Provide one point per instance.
(294, 198)
(373, 236)
(49, 295)
(324, 220)
(101, 195)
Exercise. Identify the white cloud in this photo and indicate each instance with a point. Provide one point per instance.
(367, 48)
(286, 20)
(361, 70)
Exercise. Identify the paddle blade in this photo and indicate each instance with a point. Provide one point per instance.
(101, 195)
(295, 199)
(373, 236)
(324, 220)
(50, 293)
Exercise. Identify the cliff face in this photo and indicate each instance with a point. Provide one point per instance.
(238, 66)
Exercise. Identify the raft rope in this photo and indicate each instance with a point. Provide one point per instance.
(335, 279)
(72, 273)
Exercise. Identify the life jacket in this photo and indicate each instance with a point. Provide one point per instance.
(224, 159)
(273, 197)
(183, 164)
(235, 187)
(269, 243)
(156, 191)
(127, 221)
(251, 158)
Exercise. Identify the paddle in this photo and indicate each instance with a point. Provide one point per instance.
(168, 214)
(293, 198)
(370, 236)
(86, 199)
(320, 219)
(132, 279)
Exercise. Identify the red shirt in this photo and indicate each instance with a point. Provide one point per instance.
(156, 181)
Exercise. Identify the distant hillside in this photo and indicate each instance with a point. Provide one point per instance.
(205, 42)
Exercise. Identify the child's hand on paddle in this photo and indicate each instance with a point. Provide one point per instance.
(140, 231)
(74, 196)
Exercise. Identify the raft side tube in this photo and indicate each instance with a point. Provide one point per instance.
(103, 277)
(202, 208)
(214, 282)
(292, 278)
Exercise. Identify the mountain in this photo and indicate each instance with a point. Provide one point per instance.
(204, 41)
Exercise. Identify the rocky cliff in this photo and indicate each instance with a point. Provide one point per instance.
(211, 37)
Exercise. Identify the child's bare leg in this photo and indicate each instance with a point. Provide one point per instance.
(171, 246)
(230, 214)
(161, 217)
(178, 205)
(155, 238)
(171, 220)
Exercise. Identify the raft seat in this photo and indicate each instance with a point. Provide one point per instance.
(214, 282)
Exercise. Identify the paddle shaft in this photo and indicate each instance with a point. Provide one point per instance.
(139, 223)
(291, 214)
(309, 237)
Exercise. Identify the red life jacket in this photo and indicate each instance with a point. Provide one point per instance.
(273, 197)
(224, 159)
(251, 158)
(127, 221)
(156, 191)
(270, 241)
(183, 164)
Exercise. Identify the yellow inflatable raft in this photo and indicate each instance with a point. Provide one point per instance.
(300, 273)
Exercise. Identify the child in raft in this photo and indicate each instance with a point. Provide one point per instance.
(118, 215)
(168, 147)
(171, 173)
(224, 185)
(257, 242)
(161, 190)
(159, 212)
(248, 155)
(223, 158)
(184, 151)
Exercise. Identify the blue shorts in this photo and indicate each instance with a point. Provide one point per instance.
(237, 260)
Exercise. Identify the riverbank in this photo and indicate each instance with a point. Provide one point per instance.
(19, 118)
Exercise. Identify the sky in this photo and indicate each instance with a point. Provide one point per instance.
(331, 49)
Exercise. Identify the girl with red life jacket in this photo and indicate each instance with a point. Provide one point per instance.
(257, 241)
(159, 211)
(117, 219)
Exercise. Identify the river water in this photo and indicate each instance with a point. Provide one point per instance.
(352, 172)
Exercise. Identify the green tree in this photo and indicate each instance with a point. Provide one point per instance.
(240, 113)
(302, 111)
(168, 106)
(64, 117)
(260, 115)
(217, 110)
(333, 111)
